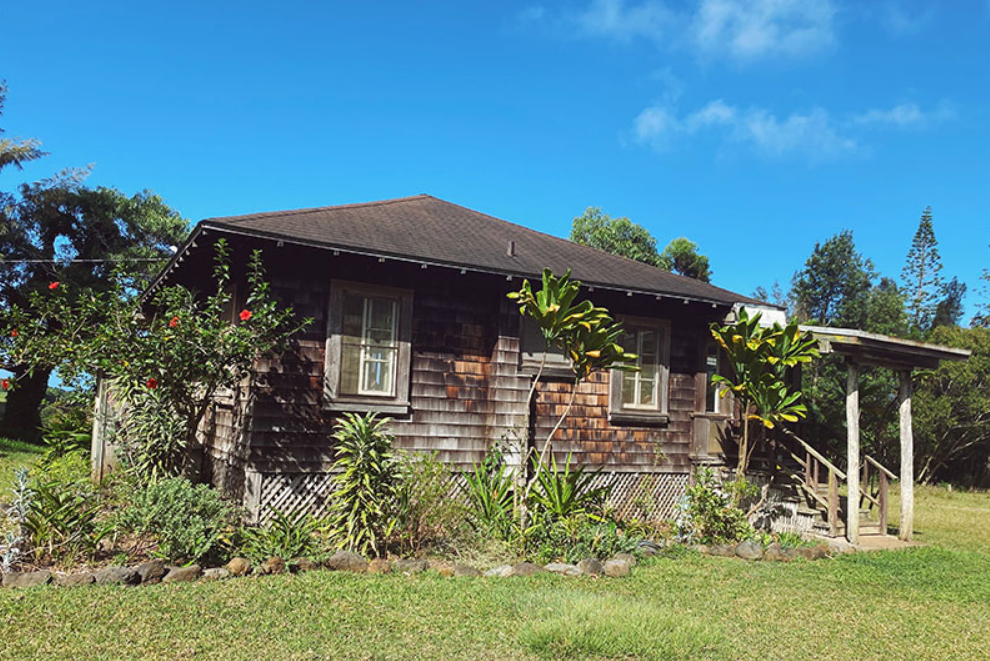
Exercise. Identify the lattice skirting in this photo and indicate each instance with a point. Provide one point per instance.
(646, 496)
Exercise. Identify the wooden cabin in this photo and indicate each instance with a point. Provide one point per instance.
(424, 281)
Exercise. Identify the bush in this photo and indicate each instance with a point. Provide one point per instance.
(429, 514)
(566, 493)
(364, 503)
(489, 489)
(61, 519)
(571, 539)
(186, 521)
(707, 515)
(286, 536)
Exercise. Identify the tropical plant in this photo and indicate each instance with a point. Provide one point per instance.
(568, 492)
(62, 521)
(428, 514)
(367, 474)
(708, 515)
(758, 359)
(284, 535)
(179, 520)
(573, 538)
(489, 488)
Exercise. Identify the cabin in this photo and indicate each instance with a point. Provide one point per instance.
(411, 320)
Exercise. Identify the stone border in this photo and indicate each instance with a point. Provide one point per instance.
(749, 550)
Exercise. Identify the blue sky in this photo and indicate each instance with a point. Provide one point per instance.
(753, 128)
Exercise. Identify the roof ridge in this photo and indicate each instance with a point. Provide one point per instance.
(305, 210)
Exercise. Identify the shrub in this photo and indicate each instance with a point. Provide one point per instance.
(292, 535)
(566, 493)
(67, 430)
(186, 521)
(706, 515)
(61, 520)
(573, 538)
(489, 489)
(363, 505)
(429, 515)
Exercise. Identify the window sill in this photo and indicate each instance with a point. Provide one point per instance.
(365, 406)
(710, 415)
(549, 371)
(641, 418)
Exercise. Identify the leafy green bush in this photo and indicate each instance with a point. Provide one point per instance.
(573, 538)
(292, 535)
(364, 503)
(566, 493)
(68, 430)
(186, 521)
(707, 514)
(61, 520)
(489, 490)
(429, 515)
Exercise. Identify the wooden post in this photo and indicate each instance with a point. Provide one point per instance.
(907, 458)
(882, 498)
(852, 451)
(833, 503)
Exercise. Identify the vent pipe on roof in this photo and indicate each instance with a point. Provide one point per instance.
(511, 250)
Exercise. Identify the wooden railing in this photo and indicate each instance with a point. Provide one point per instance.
(816, 467)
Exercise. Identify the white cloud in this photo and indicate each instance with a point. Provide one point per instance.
(754, 29)
(907, 116)
(743, 30)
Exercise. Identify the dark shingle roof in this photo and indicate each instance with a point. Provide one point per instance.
(432, 230)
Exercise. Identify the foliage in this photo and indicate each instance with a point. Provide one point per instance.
(364, 511)
(187, 521)
(566, 493)
(62, 520)
(429, 515)
(758, 358)
(575, 537)
(67, 431)
(708, 515)
(681, 256)
(164, 358)
(16, 152)
(832, 289)
(285, 535)
(949, 310)
(489, 488)
(619, 236)
(952, 411)
(921, 276)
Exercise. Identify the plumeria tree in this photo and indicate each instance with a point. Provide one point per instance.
(164, 356)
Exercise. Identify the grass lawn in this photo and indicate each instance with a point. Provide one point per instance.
(12, 455)
(924, 603)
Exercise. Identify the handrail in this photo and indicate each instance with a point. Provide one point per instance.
(880, 466)
(814, 453)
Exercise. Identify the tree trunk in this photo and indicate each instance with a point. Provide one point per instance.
(22, 416)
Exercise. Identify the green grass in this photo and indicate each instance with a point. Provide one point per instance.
(14, 454)
(930, 602)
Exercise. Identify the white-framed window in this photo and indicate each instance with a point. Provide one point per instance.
(714, 403)
(641, 396)
(368, 348)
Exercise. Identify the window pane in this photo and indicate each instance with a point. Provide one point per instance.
(647, 389)
(353, 316)
(377, 372)
(711, 368)
(628, 389)
(350, 359)
(380, 313)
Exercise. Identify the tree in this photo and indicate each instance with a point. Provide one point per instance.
(164, 359)
(758, 358)
(949, 310)
(833, 287)
(58, 230)
(922, 275)
(681, 256)
(16, 152)
(982, 318)
(776, 294)
(619, 236)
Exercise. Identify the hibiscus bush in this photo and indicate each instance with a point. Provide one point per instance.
(164, 356)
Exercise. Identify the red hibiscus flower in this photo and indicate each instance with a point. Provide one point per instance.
(174, 322)
(6, 384)
(54, 285)
(152, 383)
(14, 333)
(245, 315)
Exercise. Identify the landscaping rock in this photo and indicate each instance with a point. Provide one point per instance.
(649, 548)
(272, 565)
(628, 557)
(722, 550)
(239, 567)
(297, 565)
(117, 576)
(26, 579)
(701, 548)
(813, 552)
(410, 566)
(183, 574)
(152, 571)
(379, 566)
(215, 574)
(526, 569)
(347, 561)
(591, 567)
(465, 570)
(791, 554)
(617, 568)
(774, 553)
(749, 551)
(500, 571)
(442, 568)
(563, 568)
(72, 580)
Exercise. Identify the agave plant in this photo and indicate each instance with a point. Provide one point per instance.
(286, 535)
(489, 489)
(567, 492)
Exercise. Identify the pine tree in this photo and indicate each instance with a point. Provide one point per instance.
(834, 286)
(921, 276)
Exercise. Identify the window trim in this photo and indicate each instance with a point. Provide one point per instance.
(660, 415)
(398, 402)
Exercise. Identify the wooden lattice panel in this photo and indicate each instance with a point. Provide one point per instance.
(293, 492)
(644, 496)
